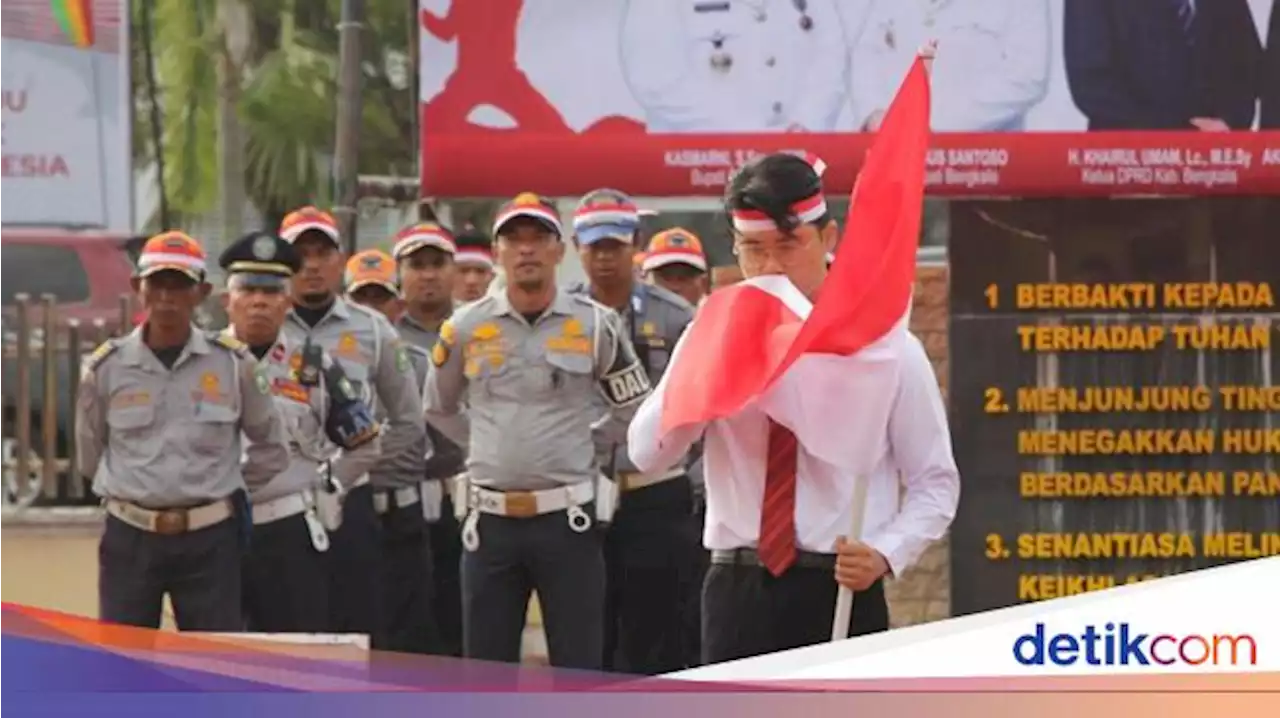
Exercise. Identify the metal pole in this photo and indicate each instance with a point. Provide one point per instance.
(153, 99)
(49, 404)
(347, 143)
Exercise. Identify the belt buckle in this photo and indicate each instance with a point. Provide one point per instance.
(170, 522)
(520, 504)
(626, 478)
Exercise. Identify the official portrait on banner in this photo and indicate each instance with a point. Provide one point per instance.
(1031, 96)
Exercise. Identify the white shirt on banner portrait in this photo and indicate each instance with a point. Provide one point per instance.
(875, 416)
(736, 65)
(992, 66)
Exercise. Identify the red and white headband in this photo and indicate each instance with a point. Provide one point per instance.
(805, 210)
(474, 255)
(424, 235)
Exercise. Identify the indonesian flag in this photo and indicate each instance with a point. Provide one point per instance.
(816, 368)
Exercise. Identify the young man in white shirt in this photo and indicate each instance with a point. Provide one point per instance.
(776, 514)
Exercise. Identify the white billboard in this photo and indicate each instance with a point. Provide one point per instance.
(67, 156)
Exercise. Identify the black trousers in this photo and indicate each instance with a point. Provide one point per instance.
(200, 570)
(647, 554)
(355, 569)
(517, 556)
(286, 581)
(408, 622)
(691, 614)
(746, 611)
(446, 603)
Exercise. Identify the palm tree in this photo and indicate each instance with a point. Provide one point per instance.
(247, 90)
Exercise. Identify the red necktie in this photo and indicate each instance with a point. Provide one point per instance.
(777, 545)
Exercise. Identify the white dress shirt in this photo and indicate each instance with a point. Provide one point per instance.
(911, 497)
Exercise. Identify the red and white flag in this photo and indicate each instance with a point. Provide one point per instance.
(760, 340)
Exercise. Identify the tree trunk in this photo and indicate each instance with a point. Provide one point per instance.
(236, 29)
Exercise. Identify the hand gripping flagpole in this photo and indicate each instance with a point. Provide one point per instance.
(844, 597)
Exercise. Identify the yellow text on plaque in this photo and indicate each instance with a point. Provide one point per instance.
(1106, 545)
(1222, 337)
(1039, 587)
(1239, 544)
(1090, 338)
(1251, 441)
(1106, 399)
(1218, 295)
(1122, 484)
(1122, 442)
(1255, 483)
(1132, 295)
(1250, 398)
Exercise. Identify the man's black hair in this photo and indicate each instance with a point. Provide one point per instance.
(771, 184)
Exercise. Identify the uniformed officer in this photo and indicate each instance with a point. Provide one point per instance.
(649, 545)
(474, 262)
(529, 362)
(332, 438)
(675, 261)
(408, 619)
(159, 419)
(996, 67)
(736, 65)
(432, 265)
(375, 361)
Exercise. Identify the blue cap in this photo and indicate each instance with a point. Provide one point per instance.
(623, 232)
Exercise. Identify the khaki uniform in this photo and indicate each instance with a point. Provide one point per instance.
(370, 353)
(165, 447)
(162, 438)
(531, 427)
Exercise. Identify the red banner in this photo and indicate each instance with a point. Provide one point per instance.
(959, 165)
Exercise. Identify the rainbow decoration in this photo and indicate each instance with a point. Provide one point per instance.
(75, 18)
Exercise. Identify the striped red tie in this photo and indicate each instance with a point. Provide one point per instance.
(777, 545)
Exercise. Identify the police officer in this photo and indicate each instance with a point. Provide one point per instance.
(432, 266)
(736, 65)
(408, 620)
(159, 419)
(675, 261)
(370, 352)
(529, 362)
(332, 437)
(648, 543)
(474, 265)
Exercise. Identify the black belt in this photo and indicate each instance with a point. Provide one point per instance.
(749, 557)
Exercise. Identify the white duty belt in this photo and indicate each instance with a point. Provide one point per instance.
(526, 504)
(282, 507)
(170, 522)
(405, 496)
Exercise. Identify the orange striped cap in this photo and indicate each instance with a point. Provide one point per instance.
(372, 267)
(309, 218)
(172, 251)
(423, 234)
(674, 246)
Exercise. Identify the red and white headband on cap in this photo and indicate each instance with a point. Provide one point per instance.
(474, 255)
(805, 210)
(426, 234)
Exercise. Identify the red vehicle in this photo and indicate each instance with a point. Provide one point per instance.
(87, 272)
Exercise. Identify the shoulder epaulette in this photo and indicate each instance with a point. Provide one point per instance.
(96, 357)
(578, 287)
(226, 341)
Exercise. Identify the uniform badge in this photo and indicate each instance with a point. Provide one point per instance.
(528, 198)
(261, 382)
(486, 331)
(210, 385)
(439, 353)
(572, 339)
(347, 345)
(448, 334)
(649, 329)
(263, 248)
(402, 359)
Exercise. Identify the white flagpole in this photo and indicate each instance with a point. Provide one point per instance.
(844, 598)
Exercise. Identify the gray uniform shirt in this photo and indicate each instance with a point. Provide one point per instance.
(171, 438)
(531, 390)
(408, 468)
(304, 411)
(653, 321)
(376, 363)
(447, 458)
